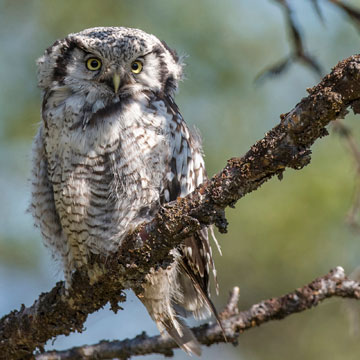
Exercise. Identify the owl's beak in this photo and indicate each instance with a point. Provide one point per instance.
(116, 82)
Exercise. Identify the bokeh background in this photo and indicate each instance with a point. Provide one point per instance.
(280, 237)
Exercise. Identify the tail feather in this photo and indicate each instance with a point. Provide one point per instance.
(168, 321)
(201, 294)
(161, 294)
(182, 335)
(192, 303)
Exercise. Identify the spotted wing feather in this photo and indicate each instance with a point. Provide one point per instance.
(187, 172)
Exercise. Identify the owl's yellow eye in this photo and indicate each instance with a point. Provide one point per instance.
(93, 64)
(136, 67)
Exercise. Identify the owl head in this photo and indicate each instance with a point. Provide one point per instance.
(110, 63)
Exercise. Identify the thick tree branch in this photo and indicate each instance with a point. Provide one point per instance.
(286, 145)
(335, 283)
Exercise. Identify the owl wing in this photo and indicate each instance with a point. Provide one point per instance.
(186, 172)
(42, 204)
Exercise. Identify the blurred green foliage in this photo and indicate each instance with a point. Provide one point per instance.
(282, 235)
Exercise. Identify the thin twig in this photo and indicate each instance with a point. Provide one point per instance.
(346, 133)
(352, 12)
(231, 307)
(333, 284)
(298, 52)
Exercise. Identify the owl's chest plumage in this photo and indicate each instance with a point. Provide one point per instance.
(109, 174)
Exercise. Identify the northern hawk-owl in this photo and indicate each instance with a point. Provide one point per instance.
(111, 148)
